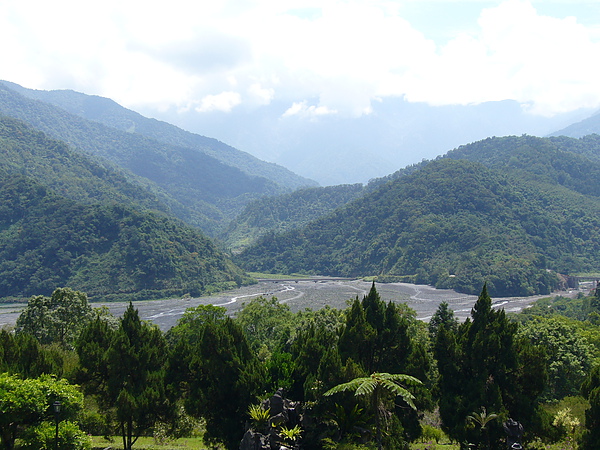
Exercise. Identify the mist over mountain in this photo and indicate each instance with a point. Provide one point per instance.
(587, 126)
(335, 149)
(108, 112)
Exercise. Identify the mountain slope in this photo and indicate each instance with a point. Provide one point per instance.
(108, 112)
(590, 125)
(108, 251)
(25, 151)
(199, 189)
(286, 212)
(572, 163)
(453, 224)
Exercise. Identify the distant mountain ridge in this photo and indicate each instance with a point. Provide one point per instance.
(590, 125)
(110, 113)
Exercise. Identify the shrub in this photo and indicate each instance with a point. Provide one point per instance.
(42, 437)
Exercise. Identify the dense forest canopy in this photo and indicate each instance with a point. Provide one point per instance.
(109, 113)
(199, 188)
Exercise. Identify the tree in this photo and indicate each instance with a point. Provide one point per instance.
(482, 419)
(28, 402)
(266, 322)
(22, 354)
(58, 318)
(220, 377)
(590, 389)
(479, 367)
(379, 387)
(126, 369)
(568, 354)
(443, 316)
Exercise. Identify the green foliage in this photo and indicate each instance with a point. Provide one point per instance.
(108, 251)
(212, 362)
(125, 368)
(266, 322)
(287, 212)
(380, 388)
(483, 364)
(569, 356)
(58, 318)
(260, 417)
(27, 402)
(195, 186)
(590, 389)
(43, 437)
(443, 317)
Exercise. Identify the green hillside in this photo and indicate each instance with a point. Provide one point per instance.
(286, 212)
(107, 250)
(110, 113)
(453, 224)
(199, 189)
(25, 151)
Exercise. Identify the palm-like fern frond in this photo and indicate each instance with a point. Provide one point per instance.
(365, 386)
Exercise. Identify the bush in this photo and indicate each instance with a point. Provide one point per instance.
(431, 433)
(42, 437)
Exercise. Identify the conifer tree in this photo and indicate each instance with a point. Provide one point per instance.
(480, 371)
(126, 369)
(218, 372)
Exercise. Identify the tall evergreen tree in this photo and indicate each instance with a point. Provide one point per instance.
(590, 389)
(221, 377)
(481, 370)
(126, 369)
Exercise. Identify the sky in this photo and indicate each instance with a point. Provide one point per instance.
(318, 57)
(319, 84)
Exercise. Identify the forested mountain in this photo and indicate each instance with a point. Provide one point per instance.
(455, 224)
(107, 250)
(573, 163)
(65, 220)
(108, 112)
(200, 189)
(286, 212)
(560, 160)
(25, 151)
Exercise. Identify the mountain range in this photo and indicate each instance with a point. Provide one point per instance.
(102, 199)
(198, 188)
(506, 211)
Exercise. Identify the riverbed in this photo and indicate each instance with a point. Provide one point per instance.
(302, 294)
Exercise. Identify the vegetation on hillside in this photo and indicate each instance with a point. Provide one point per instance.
(109, 113)
(107, 250)
(453, 224)
(286, 212)
(200, 189)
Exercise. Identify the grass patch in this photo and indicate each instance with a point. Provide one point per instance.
(148, 443)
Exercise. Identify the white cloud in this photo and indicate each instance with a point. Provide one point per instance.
(224, 102)
(345, 53)
(302, 109)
